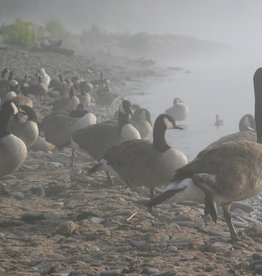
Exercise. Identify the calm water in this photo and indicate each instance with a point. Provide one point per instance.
(224, 88)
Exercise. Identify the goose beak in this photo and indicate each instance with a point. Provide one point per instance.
(178, 127)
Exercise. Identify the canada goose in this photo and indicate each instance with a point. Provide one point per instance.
(26, 130)
(66, 104)
(18, 98)
(247, 122)
(218, 121)
(222, 174)
(144, 162)
(104, 95)
(61, 85)
(84, 98)
(44, 77)
(142, 121)
(12, 149)
(101, 81)
(4, 82)
(179, 111)
(99, 138)
(42, 145)
(38, 89)
(58, 128)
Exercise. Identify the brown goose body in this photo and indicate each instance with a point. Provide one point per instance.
(99, 138)
(144, 162)
(223, 173)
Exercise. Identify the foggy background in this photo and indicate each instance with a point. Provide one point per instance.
(234, 22)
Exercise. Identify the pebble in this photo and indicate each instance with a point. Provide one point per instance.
(218, 233)
(165, 273)
(149, 270)
(18, 195)
(171, 249)
(242, 206)
(191, 224)
(112, 272)
(239, 224)
(96, 220)
(67, 228)
(57, 164)
(220, 246)
(31, 216)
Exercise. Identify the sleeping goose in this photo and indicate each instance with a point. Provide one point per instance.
(144, 162)
(142, 121)
(99, 138)
(12, 149)
(179, 111)
(222, 174)
(58, 127)
(27, 130)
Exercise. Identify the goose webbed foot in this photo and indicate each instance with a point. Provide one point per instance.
(210, 204)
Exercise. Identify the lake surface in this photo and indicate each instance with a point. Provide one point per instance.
(209, 88)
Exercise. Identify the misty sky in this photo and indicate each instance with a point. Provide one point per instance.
(235, 22)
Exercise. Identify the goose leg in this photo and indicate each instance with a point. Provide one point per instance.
(231, 227)
(210, 205)
(72, 157)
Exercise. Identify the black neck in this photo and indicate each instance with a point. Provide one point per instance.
(258, 103)
(159, 139)
(31, 114)
(123, 119)
(4, 123)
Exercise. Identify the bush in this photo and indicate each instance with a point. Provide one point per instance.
(56, 29)
(20, 33)
(94, 34)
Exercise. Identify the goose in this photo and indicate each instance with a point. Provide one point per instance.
(26, 130)
(18, 98)
(44, 76)
(104, 95)
(218, 121)
(84, 98)
(4, 82)
(99, 138)
(247, 122)
(142, 121)
(66, 104)
(60, 85)
(58, 127)
(38, 89)
(12, 149)
(42, 145)
(144, 162)
(222, 174)
(179, 111)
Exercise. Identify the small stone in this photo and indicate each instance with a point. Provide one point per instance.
(57, 164)
(164, 273)
(112, 272)
(240, 224)
(220, 246)
(96, 220)
(218, 233)
(191, 224)
(18, 195)
(257, 256)
(32, 216)
(149, 270)
(243, 206)
(171, 249)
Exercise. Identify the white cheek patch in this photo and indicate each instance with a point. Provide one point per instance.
(15, 108)
(168, 124)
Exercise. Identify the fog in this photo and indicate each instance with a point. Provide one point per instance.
(213, 86)
(234, 22)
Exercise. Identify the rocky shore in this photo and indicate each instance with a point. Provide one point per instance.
(56, 220)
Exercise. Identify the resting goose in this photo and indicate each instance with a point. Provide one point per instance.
(179, 111)
(144, 162)
(222, 174)
(247, 122)
(44, 77)
(66, 104)
(27, 130)
(58, 128)
(142, 121)
(12, 149)
(99, 138)
(218, 121)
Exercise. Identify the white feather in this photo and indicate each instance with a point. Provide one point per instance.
(129, 132)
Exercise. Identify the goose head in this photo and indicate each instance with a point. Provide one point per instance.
(42, 72)
(125, 108)
(5, 72)
(142, 114)
(247, 122)
(177, 101)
